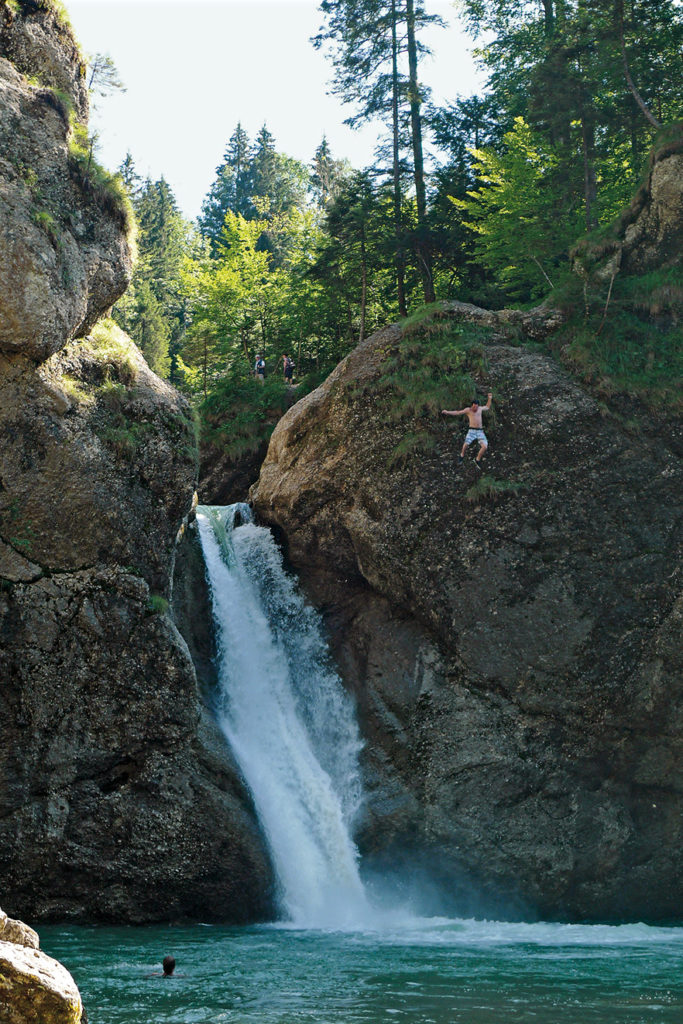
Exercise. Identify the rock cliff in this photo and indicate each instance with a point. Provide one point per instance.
(118, 798)
(64, 229)
(512, 636)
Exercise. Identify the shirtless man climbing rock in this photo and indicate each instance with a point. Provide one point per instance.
(475, 433)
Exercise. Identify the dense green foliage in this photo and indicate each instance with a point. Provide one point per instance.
(626, 336)
(240, 412)
(310, 260)
(559, 131)
(153, 310)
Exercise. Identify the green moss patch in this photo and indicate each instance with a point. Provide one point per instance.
(432, 367)
(490, 489)
(113, 350)
(107, 189)
(157, 605)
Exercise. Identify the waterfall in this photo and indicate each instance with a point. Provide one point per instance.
(288, 720)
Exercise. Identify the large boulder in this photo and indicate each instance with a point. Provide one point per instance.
(512, 638)
(34, 988)
(17, 932)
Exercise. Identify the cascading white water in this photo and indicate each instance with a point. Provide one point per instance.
(288, 720)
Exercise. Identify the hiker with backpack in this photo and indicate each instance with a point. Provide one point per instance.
(260, 368)
(288, 367)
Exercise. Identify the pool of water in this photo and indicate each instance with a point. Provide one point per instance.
(429, 972)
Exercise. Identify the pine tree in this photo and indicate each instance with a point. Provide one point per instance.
(232, 188)
(162, 241)
(326, 174)
(365, 56)
(129, 176)
(103, 75)
(264, 167)
(238, 158)
(150, 329)
(368, 39)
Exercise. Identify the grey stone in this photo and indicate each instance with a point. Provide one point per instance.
(516, 659)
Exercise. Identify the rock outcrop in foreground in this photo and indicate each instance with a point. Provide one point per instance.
(118, 797)
(34, 988)
(512, 638)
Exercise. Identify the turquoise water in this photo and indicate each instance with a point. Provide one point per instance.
(434, 972)
(290, 726)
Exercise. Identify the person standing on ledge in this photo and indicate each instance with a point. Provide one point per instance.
(476, 432)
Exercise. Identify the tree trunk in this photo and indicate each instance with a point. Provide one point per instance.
(635, 148)
(423, 253)
(589, 178)
(364, 286)
(548, 17)
(400, 265)
(619, 11)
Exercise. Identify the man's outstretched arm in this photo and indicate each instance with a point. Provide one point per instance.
(453, 412)
(488, 404)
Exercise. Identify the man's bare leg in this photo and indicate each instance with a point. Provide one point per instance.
(462, 453)
(481, 453)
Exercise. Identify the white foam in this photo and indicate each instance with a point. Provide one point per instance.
(401, 929)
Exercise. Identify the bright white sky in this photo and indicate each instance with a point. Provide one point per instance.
(194, 68)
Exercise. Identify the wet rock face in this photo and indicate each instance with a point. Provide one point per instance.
(192, 610)
(115, 781)
(64, 252)
(224, 480)
(511, 640)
